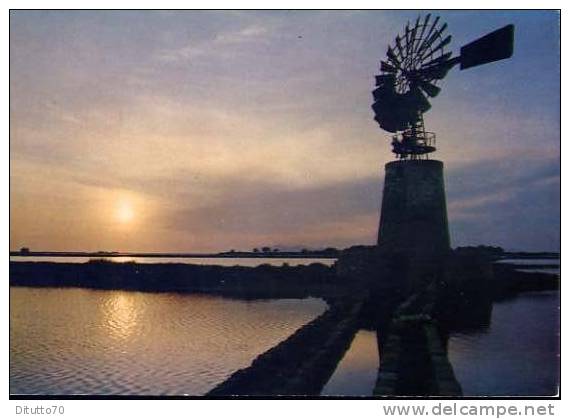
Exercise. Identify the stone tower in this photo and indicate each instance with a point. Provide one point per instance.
(413, 220)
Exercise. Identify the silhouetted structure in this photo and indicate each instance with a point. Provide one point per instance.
(414, 215)
(414, 65)
(413, 261)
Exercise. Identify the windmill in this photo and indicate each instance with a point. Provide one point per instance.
(415, 63)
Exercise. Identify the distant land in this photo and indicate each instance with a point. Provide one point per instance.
(320, 254)
(266, 252)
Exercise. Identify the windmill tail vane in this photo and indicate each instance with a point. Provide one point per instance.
(414, 65)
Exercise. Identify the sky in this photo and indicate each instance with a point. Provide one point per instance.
(190, 131)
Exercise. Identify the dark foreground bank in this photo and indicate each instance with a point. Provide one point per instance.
(264, 281)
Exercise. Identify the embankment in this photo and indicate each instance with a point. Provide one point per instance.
(414, 360)
(303, 363)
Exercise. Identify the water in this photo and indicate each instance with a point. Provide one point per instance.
(356, 373)
(77, 341)
(555, 271)
(518, 355)
(225, 261)
(530, 261)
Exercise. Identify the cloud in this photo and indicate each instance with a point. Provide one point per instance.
(490, 180)
(217, 45)
(512, 202)
(276, 208)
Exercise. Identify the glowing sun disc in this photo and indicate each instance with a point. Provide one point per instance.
(125, 213)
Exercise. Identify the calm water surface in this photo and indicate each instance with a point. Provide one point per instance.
(77, 341)
(518, 355)
(530, 261)
(356, 373)
(555, 269)
(195, 261)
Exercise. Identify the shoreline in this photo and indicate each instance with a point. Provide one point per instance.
(236, 255)
(239, 254)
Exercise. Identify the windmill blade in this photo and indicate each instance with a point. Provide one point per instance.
(392, 57)
(435, 72)
(416, 102)
(424, 26)
(377, 94)
(438, 60)
(432, 39)
(387, 68)
(431, 89)
(381, 108)
(385, 80)
(494, 46)
(385, 113)
(399, 46)
(384, 92)
(437, 34)
(420, 38)
(433, 26)
(414, 33)
(407, 38)
(442, 44)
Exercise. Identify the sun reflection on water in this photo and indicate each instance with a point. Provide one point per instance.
(121, 313)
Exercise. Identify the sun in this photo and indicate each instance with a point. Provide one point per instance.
(125, 213)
